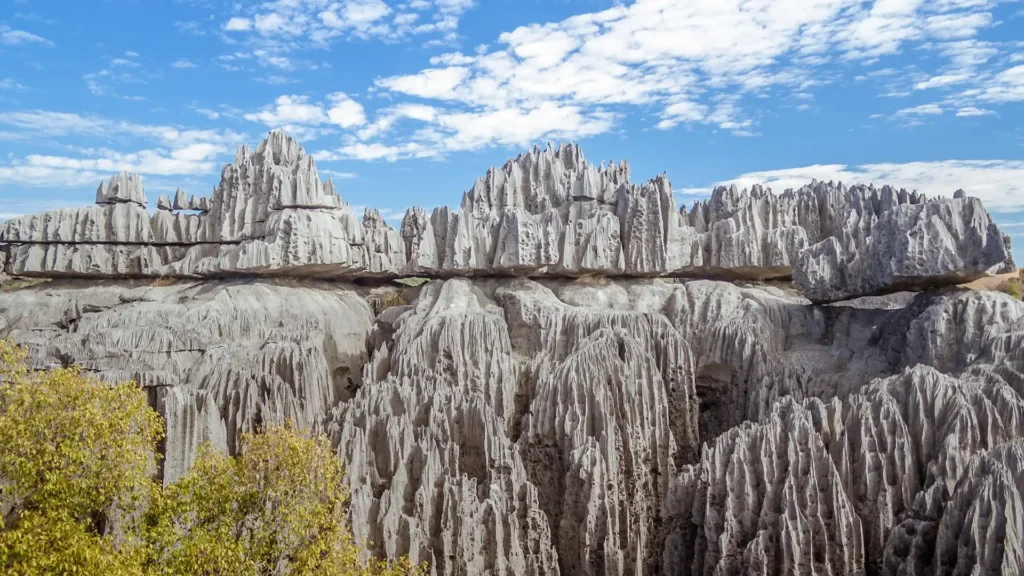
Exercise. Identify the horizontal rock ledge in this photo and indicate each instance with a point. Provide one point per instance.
(545, 213)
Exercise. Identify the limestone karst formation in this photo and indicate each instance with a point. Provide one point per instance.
(546, 213)
(592, 382)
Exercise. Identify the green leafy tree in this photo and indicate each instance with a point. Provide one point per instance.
(77, 494)
(75, 462)
(277, 508)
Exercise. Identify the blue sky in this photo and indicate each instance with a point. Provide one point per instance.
(407, 102)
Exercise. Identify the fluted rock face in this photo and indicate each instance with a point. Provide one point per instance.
(546, 405)
(595, 426)
(123, 187)
(976, 529)
(114, 223)
(910, 245)
(433, 470)
(545, 213)
(216, 359)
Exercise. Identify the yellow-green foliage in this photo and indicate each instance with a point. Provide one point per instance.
(19, 283)
(382, 299)
(278, 508)
(74, 455)
(76, 495)
(164, 281)
(1011, 287)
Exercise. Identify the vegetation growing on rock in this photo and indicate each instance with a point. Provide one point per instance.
(77, 493)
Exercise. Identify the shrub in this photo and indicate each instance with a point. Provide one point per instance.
(75, 458)
(278, 508)
(412, 281)
(14, 284)
(1011, 287)
(163, 281)
(383, 298)
(77, 494)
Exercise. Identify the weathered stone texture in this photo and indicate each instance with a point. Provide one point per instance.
(545, 213)
(596, 426)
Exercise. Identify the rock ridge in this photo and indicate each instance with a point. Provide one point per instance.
(546, 213)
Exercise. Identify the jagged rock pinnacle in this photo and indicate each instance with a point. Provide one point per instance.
(547, 212)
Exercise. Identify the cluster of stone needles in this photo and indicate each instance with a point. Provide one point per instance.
(592, 381)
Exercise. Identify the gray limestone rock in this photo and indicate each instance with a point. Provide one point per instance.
(163, 202)
(180, 201)
(383, 246)
(216, 359)
(111, 223)
(590, 417)
(929, 244)
(544, 213)
(975, 528)
(420, 242)
(123, 187)
(593, 426)
(3, 264)
(91, 260)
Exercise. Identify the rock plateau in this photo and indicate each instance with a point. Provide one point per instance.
(592, 382)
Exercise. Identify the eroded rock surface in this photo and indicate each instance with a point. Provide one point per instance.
(548, 404)
(595, 426)
(216, 360)
(545, 213)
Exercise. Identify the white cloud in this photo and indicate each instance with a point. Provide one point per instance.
(113, 81)
(1007, 86)
(317, 22)
(336, 175)
(45, 177)
(188, 159)
(344, 111)
(971, 111)
(211, 114)
(375, 151)
(882, 29)
(998, 183)
(942, 80)
(12, 37)
(182, 63)
(357, 14)
(966, 54)
(164, 150)
(296, 113)
(699, 62)
(238, 25)
(922, 110)
(15, 207)
(958, 24)
(289, 110)
(438, 83)
(268, 59)
(519, 127)
(460, 131)
(388, 117)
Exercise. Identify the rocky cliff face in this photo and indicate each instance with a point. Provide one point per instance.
(508, 418)
(546, 213)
